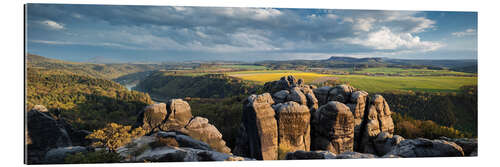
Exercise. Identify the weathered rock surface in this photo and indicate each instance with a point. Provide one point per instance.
(152, 117)
(44, 132)
(176, 116)
(296, 95)
(469, 146)
(260, 129)
(357, 105)
(304, 155)
(297, 155)
(426, 148)
(285, 83)
(57, 155)
(340, 93)
(333, 128)
(199, 129)
(157, 148)
(385, 142)
(294, 126)
(378, 119)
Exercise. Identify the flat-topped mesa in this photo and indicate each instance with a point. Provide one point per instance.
(176, 116)
(333, 128)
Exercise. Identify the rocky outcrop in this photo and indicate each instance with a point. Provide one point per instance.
(426, 148)
(152, 117)
(259, 129)
(333, 128)
(298, 155)
(176, 116)
(57, 155)
(469, 146)
(171, 147)
(377, 120)
(199, 129)
(45, 132)
(293, 126)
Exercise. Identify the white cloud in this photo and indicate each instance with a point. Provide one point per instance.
(52, 25)
(364, 24)
(385, 39)
(467, 32)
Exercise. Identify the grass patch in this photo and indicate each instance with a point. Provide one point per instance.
(369, 83)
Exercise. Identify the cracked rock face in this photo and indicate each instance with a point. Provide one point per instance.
(260, 128)
(426, 148)
(378, 120)
(176, 116)
(333, 128)
(293, 126)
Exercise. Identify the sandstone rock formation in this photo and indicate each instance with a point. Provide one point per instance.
(469, 146)
(293, 126)
(333, 128)
(426, 148)
(259, 127)
(176, 116)
(171, 147)
(57, 155)
(378, 119)
(46, 132)
(199, 129)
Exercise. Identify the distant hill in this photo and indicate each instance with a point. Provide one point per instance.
(85, 101)
(371, 62)
(105, 71)
(354, 60)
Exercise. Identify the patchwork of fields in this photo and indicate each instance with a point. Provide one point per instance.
(369, 83)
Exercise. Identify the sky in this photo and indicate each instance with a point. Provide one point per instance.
(86, 33)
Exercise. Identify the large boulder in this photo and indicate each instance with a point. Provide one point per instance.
(199, 129)
(293, 126)
(421, 147)
(152, 117)
(44, 133)
(469, 146)
(171, 147)
(340, 93)
(178, 115)
(333, 128)
(57, 155)
(280, 96)
(296, 95)
(322, 94)
(259, 129)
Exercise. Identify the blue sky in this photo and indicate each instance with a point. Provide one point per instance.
(167, 33)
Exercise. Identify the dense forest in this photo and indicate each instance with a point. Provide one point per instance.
(86, 102)
(166, 85)
(458, 110)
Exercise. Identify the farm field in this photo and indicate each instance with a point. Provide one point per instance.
(402, 71)
(369, 83)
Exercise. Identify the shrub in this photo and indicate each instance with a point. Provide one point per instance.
(114, 136)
